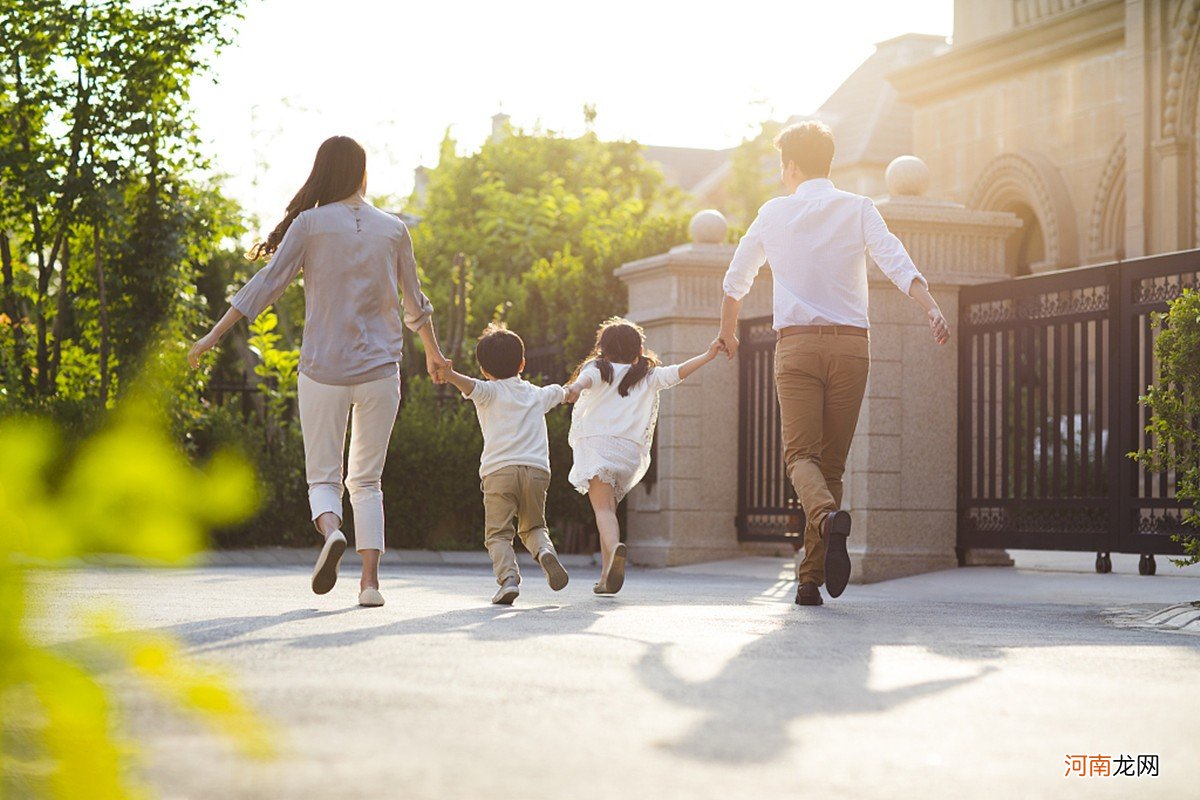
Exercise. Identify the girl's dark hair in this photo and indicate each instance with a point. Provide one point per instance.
(619, 341)
(337, 173)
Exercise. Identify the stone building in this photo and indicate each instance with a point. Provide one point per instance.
(1079, 116)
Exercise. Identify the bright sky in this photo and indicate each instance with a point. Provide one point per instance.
(395, 75)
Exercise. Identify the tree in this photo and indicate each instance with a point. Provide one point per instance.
(753, 179)
(1174, 403)
(96, 132)
(545, 220)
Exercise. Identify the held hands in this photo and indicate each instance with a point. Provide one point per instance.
(938, 326)
(726, 343)
(437, 365)
(573, 391)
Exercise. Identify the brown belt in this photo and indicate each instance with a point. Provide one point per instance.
(829, 330)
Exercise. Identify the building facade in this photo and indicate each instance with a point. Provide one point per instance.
(1078, 116)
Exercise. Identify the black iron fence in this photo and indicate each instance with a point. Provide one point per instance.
(767, 507)
(1050, 370)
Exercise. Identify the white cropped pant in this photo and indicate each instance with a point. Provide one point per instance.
(324, 411)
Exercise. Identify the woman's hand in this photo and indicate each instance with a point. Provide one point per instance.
(202, 346)
(717, 346)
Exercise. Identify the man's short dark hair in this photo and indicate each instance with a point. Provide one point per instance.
(808, 144)
(499, 351)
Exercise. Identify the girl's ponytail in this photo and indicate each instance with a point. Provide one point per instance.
(623, 342)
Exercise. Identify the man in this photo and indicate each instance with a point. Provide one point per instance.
(816, 240)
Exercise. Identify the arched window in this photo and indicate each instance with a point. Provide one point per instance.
(1030, 187)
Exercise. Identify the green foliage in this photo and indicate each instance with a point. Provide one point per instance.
(1174, 403)
(545, 220)
(278, 367)
(754, 178)
(100, 228)
(127, 490)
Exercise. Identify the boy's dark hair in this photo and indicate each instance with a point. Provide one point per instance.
(808, 144)
(499, 351)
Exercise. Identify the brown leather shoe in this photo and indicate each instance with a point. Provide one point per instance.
(807, 594)
(835, 530)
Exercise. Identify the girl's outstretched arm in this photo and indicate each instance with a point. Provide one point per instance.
(573, 390)
(695, 363)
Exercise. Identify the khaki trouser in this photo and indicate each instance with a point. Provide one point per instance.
(820, 379)
(515, 492)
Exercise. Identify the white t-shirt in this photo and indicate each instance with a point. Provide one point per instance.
(512, 414)
(601, 411)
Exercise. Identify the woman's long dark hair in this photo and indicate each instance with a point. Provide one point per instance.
(337, 173)
(619, 341)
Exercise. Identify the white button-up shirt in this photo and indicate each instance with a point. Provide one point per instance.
(816, 240)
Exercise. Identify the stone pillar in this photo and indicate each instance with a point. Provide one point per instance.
(687, 513)
(902, 481)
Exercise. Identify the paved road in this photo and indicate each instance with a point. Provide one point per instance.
(700, 682)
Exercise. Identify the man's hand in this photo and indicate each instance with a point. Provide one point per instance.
(573, 393)
(202, 346)
(938, 326)
(727, 342)
(436, 365)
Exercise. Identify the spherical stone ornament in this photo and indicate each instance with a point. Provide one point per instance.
(907, 175)
(708, 227)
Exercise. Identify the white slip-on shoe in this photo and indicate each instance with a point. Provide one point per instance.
(325, 573)
(370, 597)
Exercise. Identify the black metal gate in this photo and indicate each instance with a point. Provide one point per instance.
(1050, 370)
(767, 507)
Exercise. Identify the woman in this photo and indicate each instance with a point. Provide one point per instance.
(357, 260)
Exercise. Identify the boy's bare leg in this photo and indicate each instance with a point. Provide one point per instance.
(370, 569)
(604, 504)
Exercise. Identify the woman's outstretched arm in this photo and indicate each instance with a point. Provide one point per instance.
(213, 337)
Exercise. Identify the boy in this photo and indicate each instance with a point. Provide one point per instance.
(515, 465)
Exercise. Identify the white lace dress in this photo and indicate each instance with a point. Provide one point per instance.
(611, 435)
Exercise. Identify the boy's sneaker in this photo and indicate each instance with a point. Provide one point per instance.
(507, 592)
(556, 576)
(325, 573)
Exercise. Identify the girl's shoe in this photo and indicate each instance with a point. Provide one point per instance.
(616, 572)
(370, 597)
(325, 573)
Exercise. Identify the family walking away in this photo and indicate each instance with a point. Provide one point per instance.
(361, 289)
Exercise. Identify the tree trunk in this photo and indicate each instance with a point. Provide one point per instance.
(10, 305)
(62, 314)
(103, 298)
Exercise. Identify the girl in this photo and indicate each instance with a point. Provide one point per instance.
(612, 426)
(357, 260)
